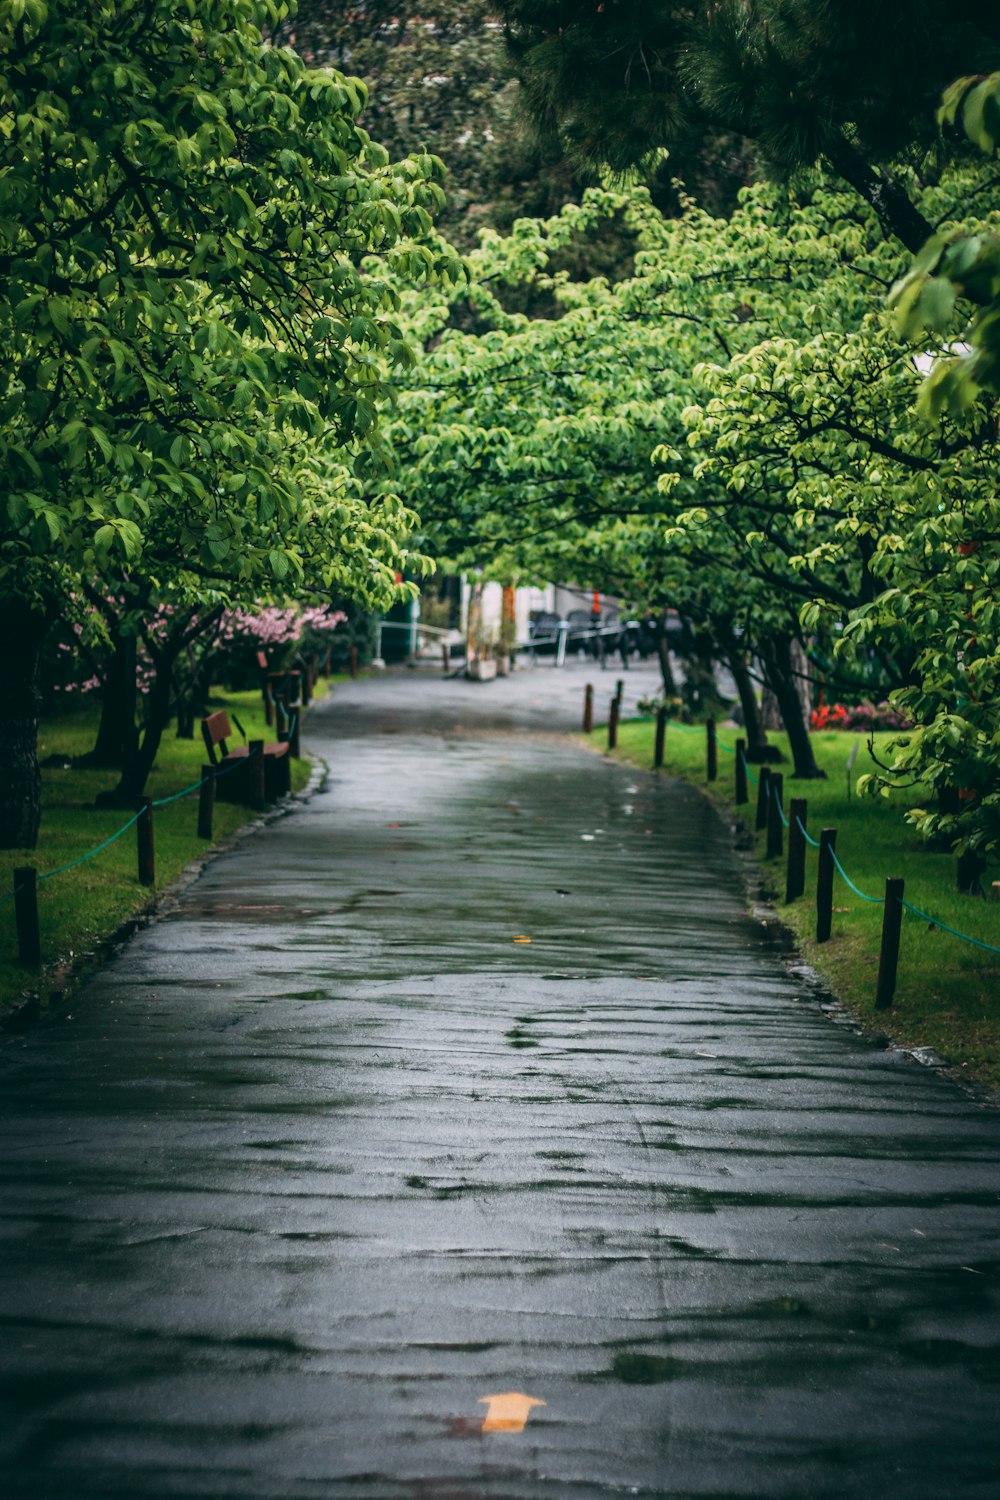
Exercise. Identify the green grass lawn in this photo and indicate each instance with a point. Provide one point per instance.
(948, 992)
(83, 906)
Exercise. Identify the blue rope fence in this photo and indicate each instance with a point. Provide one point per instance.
(806, 834)
(936, 922)
(874, 900)
(113, 838)
(773, 790)
(749, 773)
(933, 922)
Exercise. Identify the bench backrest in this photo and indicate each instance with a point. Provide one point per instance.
(215, 730)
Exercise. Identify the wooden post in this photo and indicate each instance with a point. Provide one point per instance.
(328, 662)
(588, 708)
(354, 661)
(742, 795)
(282, 713)
(293, 733)
(255, 771)
(620, 690)
(795, 879)
(763, 799)
(268, 704)
(888, 962)
(775, 827)
(306, 681)
(29, 942)
(613, 724)
(824, 884)
(146, 848)
(711, 751)
(206, 802)
(445, 657)
(661, 736)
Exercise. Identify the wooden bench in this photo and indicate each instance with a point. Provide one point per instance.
(245, 785)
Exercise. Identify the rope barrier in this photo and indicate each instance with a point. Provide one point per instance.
(815, 844)
(874, 900)
(773, 791)
(99, 848)
(936, 922)
(48, 874)
(197, 785)
(805, 833)
(165, 801)
(746, 767)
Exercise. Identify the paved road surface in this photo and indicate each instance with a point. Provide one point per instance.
(326, 1157)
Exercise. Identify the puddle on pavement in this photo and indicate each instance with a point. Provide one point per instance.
(644, 1369)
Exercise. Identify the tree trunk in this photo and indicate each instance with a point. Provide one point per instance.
(783, 681)
(663, 655)
(22, 629)
(116, 733)
(191, 694)
(699, 688)
(895, 210)
(139, 763)
(758, 749)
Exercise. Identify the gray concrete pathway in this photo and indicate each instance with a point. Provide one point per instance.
(326, 1158)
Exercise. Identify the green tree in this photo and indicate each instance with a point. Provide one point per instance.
(798, 473)
(194, 342)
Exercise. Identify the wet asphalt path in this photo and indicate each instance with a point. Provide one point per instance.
(325, 1157)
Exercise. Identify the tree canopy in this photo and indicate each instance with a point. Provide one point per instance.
(852, 83)
(199, 250)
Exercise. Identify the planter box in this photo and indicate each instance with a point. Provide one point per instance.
(482, 669)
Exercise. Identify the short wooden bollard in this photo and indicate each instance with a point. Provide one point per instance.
(620, 690)
(206, 802)
(588, 708)
(613, 724)
(294, 749)
(888, 962)
(711, 751)
(306, 686)
(445, 657)
(268, 705)
(824, 884)
(29, 941)
(775, 827)
(145, 847)
(763, 798)
(740, 768)
(661, 737)
(353, 661)
(795, 878)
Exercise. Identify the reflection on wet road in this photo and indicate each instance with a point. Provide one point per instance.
(325, 1170)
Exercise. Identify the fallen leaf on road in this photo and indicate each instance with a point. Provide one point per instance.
(521, 938)
(508, 1412)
